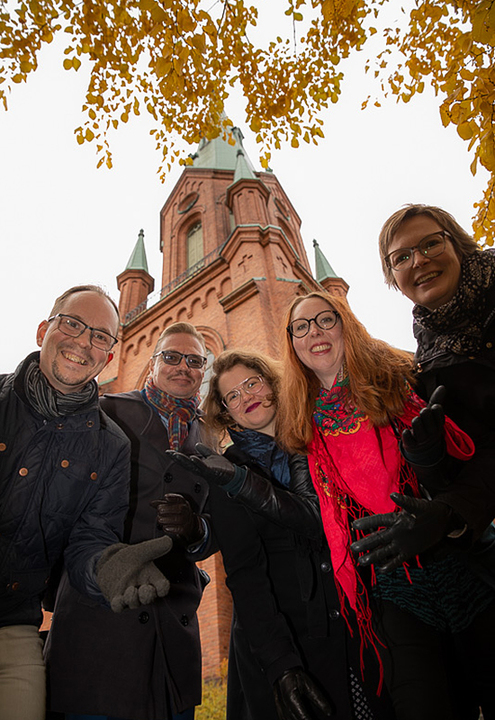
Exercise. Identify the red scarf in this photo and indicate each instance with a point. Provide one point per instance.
(349, 459)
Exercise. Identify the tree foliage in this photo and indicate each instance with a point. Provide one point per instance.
(178, 60)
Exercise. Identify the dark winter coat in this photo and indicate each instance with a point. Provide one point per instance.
(64, 490)
(286, 609)
(140, 663)
(470, 402)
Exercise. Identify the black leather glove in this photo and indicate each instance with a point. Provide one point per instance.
(211, 466)
(416, 528)
(424, 443)
(297, 697)
(127, 575)
(177, 518)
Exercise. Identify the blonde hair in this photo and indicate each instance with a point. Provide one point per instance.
(377, 377)
(217, 417)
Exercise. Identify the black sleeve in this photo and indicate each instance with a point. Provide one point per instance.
(296, 508)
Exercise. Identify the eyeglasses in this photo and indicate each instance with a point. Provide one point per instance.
(325, 320)
(430, 246)
(251, 386)
(172, 357)
(73, 327)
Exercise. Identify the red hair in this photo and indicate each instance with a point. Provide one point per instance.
(378, 377)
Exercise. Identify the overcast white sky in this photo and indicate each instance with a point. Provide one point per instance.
(62, 222)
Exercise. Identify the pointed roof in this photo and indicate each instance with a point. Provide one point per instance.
(138, 260)
(323, 269)
(243, 168)
(221, 152)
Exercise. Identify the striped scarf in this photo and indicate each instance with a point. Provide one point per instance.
(178, 412)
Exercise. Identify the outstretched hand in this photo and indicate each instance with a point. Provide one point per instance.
(297, 696)
(416, 528)
(127, 575)
(212, 466)
(424, 443)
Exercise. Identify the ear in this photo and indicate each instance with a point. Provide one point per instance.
(41, 332)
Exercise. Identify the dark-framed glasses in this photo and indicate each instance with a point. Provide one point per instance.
(325, 320)
(430, 246)
(172, 357)
(251, 385)
(73, 327)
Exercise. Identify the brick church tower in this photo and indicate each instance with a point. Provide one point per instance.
(233, 259)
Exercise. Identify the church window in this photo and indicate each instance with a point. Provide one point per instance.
(195, 245)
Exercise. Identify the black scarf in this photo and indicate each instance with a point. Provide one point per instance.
(51, 403)
(458, 325)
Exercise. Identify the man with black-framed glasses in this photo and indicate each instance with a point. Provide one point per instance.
(146, 663)
(64, 488)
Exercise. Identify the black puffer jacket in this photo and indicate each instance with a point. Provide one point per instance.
(64, 487)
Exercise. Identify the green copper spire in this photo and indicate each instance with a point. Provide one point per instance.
(243, 169)
(221, 152)
(138, 261)
(322, 266)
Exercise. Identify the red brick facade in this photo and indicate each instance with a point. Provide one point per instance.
(253, 263)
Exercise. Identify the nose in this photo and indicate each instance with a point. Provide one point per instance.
(418, 259)
(84, 339)
(315, 328)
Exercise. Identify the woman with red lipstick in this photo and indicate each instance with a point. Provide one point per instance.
(346, 400)
(291, 654)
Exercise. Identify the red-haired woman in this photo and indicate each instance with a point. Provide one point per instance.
(346, 400)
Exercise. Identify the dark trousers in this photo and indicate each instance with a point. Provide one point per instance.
(436, 675)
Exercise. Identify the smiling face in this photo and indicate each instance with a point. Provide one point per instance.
(322, 351)
(69, 363)
(430, 282)
(255, 412)
(178, 381)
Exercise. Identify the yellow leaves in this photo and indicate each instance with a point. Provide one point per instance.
(483, 19)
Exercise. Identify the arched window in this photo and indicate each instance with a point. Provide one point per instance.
(194, 245)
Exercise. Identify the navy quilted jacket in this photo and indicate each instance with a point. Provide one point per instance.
(64, 487)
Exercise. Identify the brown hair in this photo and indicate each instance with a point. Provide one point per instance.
(463, 242)
(180, 327)
(377, 377)
(59, 302)
(217, 417)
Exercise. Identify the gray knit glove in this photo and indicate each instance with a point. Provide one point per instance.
(127, 575)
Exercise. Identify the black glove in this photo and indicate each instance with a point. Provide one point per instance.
(416, 528)
(177, 518)
(424, 443)
(211, 466)
(296, 696)
(127, 575)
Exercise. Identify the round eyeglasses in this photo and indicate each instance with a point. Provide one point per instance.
(325, 320)
(251, 386)
(73, 327)
(173, 357)
(430, 246)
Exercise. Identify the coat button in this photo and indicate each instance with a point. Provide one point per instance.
(197, 487)
(184, 620)
(59, 426)
(65, 463)
(93, 476)
(15, 586)
(3, 447)
(489, 345)
(334, 614)
(90, 423)
(144, 617)
(168, 477)
(23, 472)
(326, 567)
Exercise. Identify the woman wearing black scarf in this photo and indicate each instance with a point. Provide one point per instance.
(435, 263)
